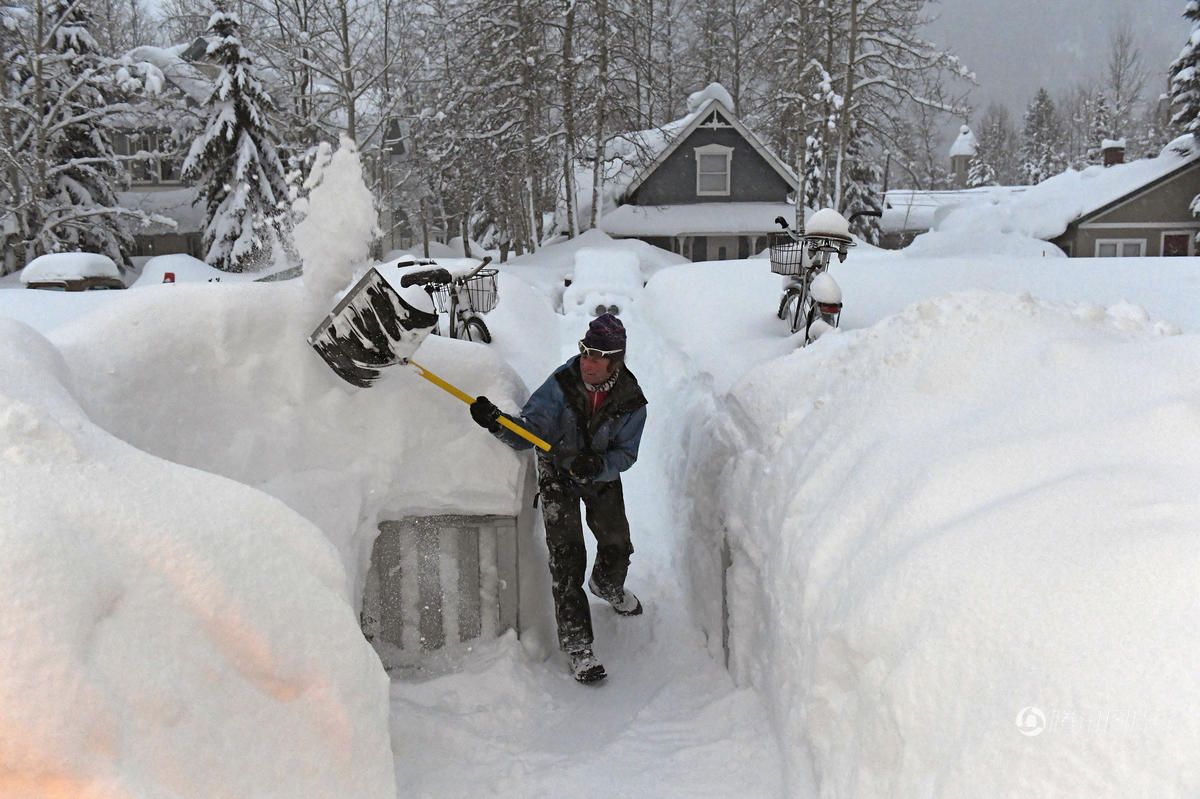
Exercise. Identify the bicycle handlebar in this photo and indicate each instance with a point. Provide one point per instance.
(440, 276)
(487, 259)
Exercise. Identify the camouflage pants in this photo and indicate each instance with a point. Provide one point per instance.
(605, 506)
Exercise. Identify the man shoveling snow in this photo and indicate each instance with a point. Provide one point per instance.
(592, 411)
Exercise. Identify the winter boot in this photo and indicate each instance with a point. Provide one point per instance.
(623, 602)
(584, 665)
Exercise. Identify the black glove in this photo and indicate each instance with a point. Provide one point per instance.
(485, 413)
(587, 466)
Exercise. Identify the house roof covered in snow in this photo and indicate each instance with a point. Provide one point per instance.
(178, 204)
(913, 210)
(1046, 210)
(177, 70)
(714, 97)
(1043, 211)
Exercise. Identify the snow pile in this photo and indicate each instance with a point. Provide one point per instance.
(338, 222)
(961, 540)
(546, 270)
(994, 231)
(69, 266)
(184, 269)
(827, 222)
(159, 625)
(219, 377)
(696, 101)
(919, 211)
(602, 277)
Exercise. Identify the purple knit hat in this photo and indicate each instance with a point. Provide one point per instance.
(605, 333)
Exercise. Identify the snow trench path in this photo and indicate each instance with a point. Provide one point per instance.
(507, 719)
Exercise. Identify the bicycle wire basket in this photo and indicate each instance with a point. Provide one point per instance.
(787, 253)
(482, 290)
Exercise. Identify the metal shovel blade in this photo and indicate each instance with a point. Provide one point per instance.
(370, 328)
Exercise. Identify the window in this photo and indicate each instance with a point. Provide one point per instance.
(1177, 243)
(159, 166)
(1120, 248)
(712, 169)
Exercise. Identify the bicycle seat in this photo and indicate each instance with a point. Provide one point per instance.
(425, 277)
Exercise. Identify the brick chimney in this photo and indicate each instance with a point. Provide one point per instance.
(1113, 151)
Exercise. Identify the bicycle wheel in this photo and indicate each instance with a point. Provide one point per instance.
(799, 311)
(785, 302)
(473, 329)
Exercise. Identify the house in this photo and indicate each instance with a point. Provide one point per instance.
(155, 182)
(1143, 208)
(704, 186)
(1140, 208)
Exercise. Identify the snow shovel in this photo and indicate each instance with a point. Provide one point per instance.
(371, 327)
(375, 326)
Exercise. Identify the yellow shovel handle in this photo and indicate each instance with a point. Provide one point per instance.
(467, 398)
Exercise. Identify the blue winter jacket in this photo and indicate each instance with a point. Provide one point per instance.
(558, 413)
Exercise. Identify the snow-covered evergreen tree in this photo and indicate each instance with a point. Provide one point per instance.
(861, 195)
(1185, 85)
(1185, 77)
(81, 210)
(1041, 156)
(1102, 126)
(58, 101)
(998, 144)
(235, 163)
(980, 172)
(813, 171)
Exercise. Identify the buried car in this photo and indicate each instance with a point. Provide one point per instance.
(604, 280)
(72, 271)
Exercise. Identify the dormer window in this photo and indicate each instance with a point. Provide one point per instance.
(713, 166)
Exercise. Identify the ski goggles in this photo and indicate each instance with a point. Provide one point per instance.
(592, 352)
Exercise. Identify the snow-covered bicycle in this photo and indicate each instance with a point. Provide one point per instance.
(462, 297)
(812, 299)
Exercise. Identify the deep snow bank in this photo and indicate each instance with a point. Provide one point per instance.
(163, 631)
(220, 378)
(964, 549)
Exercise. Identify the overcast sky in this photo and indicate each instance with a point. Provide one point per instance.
(1015, 46)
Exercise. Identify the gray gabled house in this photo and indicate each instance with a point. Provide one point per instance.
(709, 190)
(1148, 214)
